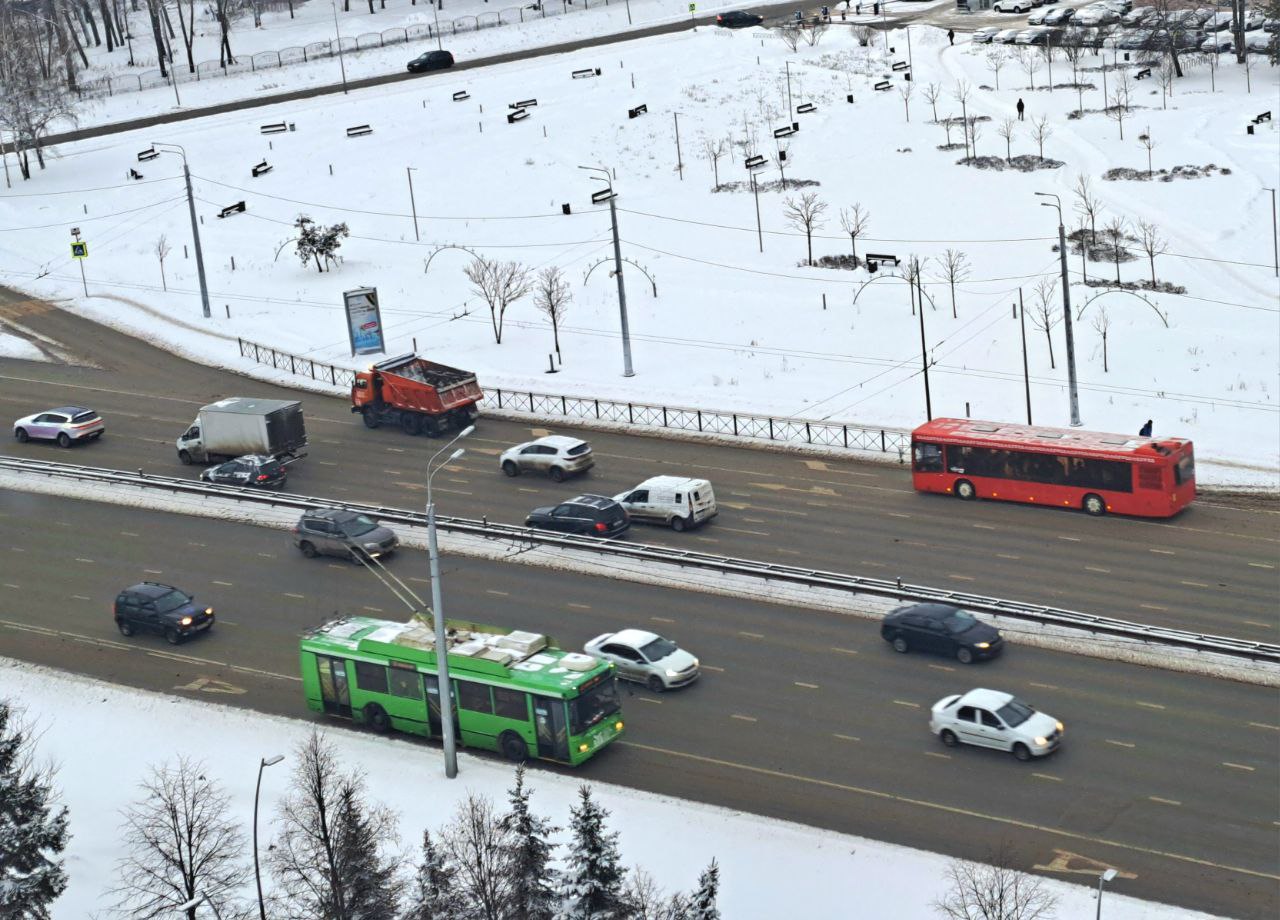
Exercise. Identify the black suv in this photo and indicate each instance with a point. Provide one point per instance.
(432, 60)
(943, 629)
(162, 609)
(593, 515)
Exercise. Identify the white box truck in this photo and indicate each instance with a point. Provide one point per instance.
(241, 425)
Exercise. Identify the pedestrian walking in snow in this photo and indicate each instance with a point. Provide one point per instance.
(1145, 430)
(857, 10)
(951, 36)
(1021, 108)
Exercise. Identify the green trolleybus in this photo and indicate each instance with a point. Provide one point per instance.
(513, 692)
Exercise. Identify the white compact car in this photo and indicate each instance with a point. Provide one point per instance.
(646, 658)
(991, 718)
(673, 501)
(555, 455)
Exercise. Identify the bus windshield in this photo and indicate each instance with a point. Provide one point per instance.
(598, 703)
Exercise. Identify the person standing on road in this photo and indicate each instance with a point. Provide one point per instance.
(1021, 108)
(951, 36)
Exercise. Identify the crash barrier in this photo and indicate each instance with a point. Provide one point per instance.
(237, 208)
(359, 131)
(586, 410)
(769, 579)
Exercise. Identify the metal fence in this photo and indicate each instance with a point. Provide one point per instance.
(301, 54)
(716, 422)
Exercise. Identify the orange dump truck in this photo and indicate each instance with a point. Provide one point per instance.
(418, 395)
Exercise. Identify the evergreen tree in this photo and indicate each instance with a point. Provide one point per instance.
(592, 885)
(533, 880)
(33, 829)
(702, 905)
(372, 882)
(434, 895)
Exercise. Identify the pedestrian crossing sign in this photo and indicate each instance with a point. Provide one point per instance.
(80, 249)
(693, 7)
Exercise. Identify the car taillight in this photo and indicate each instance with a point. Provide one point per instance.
(262, 477)
(600, 527)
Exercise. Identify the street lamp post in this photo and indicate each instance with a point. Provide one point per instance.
(679, 159)
(1102, 879)
(753, 163)
(257, 872)
(1275, 245)
(1066, 309)
(196, 901)
(195, 226)
(338, 35)
(627, 369)
(435, 11)
(437, 614)
(413, 205)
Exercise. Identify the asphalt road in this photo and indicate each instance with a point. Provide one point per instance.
(1212, 569)
(804, 716)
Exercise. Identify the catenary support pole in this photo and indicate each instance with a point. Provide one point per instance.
(627, 369)
(1026, 373)
(924, 354)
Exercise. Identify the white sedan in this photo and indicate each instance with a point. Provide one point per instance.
(646, 658)
(991, 718)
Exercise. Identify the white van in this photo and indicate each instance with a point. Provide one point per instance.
(671, 500)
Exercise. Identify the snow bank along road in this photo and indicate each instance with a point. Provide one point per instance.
(836, 738)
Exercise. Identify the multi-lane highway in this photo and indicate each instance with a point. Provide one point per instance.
(800, 715)
(1212, 569)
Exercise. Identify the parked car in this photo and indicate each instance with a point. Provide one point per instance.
(1119, 7)
(1254, 19)
(990, 718)
(1012, 6)
(673, 501)
(1037, 16)
(1138, 16)
(1059, 17)
(646, 658)
(556, 455)
(253, 470)
(738, 19)
(1134, 39)
(1219, 42)
(1217, 22)
(1259, 42)
(1271, 25)
(338, 532)
(431, 60)
(590, 515)
(1006, 36)
(152, 607)
(942, 629)
(1038, 35)
(67, 425)
(984, 35)
(1095, 16)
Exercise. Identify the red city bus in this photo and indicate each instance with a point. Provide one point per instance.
(1063, 467)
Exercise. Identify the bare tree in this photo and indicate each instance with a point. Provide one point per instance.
(713, 149)
(813, 30)
(1087, 204)
(1166, 75)
(997, 57)
(994, 891)
(1116, 232)
(805, 213)
(551, 295)
(179, 840)
(187, 27)
(906, 91)
(975, 132)
(955, 268)
(1152, 243)
(1118, 105)
(1147, 141)
(962, 94)
(476, 843)
(1101, 324)
(646, 900)
(789, 36)
(162, 251)
(1041, 131)
(932, 93)
(1007, 128)
(782, 153)
(1029, 61)
(31, 99)
(500, 284)
(855, 221)
(1044, 314)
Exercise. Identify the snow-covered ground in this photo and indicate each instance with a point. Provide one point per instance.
(769, 868)
(730, 327)
(11, 346)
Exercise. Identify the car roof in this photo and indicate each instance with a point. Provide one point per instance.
(332, 514)
(634, 637)
(599, 502)
(70, 410)
(985, 699)
(932, 611)
(671, 482)
(558, 440)
(255, 458)
(149, 589)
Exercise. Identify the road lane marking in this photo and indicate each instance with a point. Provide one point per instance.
(1069, 540)
(525, 489)
(300, 597)
(1193, 584)
(1044, 686)
(744, 718)
(705, 539)
(443, 489)
(1261, 565)
(423, 581)
(1123, 744)
(1051, 778)
(1097, 568)
(960, 577)
(372, 609)
(937, 754)
(193, 543)
(662, 619)
(580, 606)
(874, 565)
(843, 651)
(394, 472)
(395, 450)
(127, 533)
(1156, 798)
(711, 667)
(747, 635)
(1149, 705)
(17, 549)
(897, 514)
(267, 555)
(1238, 766)
(27, 627)
(79, 597)
(272, 674)
(225, 584)
(326, 463)
(942, 667)
(1006, 556)
(1256, 623)
(15, 587)
(1152, 607)
(800, 683)
(82, 559)
(754, 520)
(152, 572)
(497, 592)
(907, 703)
(1163, 552)
(173, 656)
(754, 533)
(985, 526)
(846, 737)
(1274, 728)
(649, 699)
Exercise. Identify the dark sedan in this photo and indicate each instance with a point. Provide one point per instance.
(254, 470)
(592, 515)
(942, 629)
(432, 60)
(738, 19)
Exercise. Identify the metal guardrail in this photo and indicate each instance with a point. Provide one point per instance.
(796, 575)
(722, 423)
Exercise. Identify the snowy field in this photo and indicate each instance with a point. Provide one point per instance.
(768, 869)
(731, 327)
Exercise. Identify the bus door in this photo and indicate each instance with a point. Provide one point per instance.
(549, 720)
(334, 691)
(433, 708)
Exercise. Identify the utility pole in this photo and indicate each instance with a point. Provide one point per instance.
(611, 196)
(408, 171)
(755, 190)
(924, 355)
(1275, 246)
(1026, 374)
(195, 228)
(679, 160)
(338, 35)
(1066, 310)
(791, 111)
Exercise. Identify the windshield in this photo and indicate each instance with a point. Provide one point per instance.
(658, 649)
(171, 601)
(960, 621)
(358, 526)
(1185, 469)
(1014, 713)
(598, 703)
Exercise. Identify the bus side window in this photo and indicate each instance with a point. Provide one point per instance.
(928, 458)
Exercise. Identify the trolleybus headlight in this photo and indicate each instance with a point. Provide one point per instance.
(583, 748)
(617, 726)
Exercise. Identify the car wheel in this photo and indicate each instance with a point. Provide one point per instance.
(125, 628)
(21, 435)
(678, 524)
(655, 683)
(513, 747)
(185, 457)
(356, 556)
(370, 416)
(964, 655)
(307, 549)
(410, 423)
(510, 467)
(1022, 752)
(1094, 505)
(64, 440)
(172, 636)
(949, 738)
(556, 474)
(965, 490)
(376, 718)
(900, 645)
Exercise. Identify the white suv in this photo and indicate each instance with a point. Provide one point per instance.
(555, 455)
(1012, 6)
(990, 718)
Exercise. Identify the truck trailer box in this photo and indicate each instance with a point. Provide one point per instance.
(241, 425)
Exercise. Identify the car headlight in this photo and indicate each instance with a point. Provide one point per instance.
(671, 672)
(1060, 727)
(186, 621)
(1041, 742)
(982, 645)
(208, 611)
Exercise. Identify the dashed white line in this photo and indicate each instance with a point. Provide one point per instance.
(1149, 705)
(580, 606)
(744, 718)
(800, 683)
(1097, 568)
(82, 559)
(1162, 552)
(1069, 539)
(750, 635)
(1152, 607)
(127, 533)
(79, 597)
(937, 754)
(1007, 556)
(497, 592)
(1156, 798)
(846, 737)
(1043, 686)
(662, 619)
(297, 596)
(906, 703)
(1194, 584)
(1123, 744)
(843, 651)
(1050, 777)
(1260, 565)
(1274, 728)
(225, 584)
(1238, 766)
(372, 609)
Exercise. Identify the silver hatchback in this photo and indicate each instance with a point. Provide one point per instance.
(348, 534)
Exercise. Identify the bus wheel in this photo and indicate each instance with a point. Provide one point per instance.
(965, 490)
(376, 718)
(513, 747)
(1093, 504)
